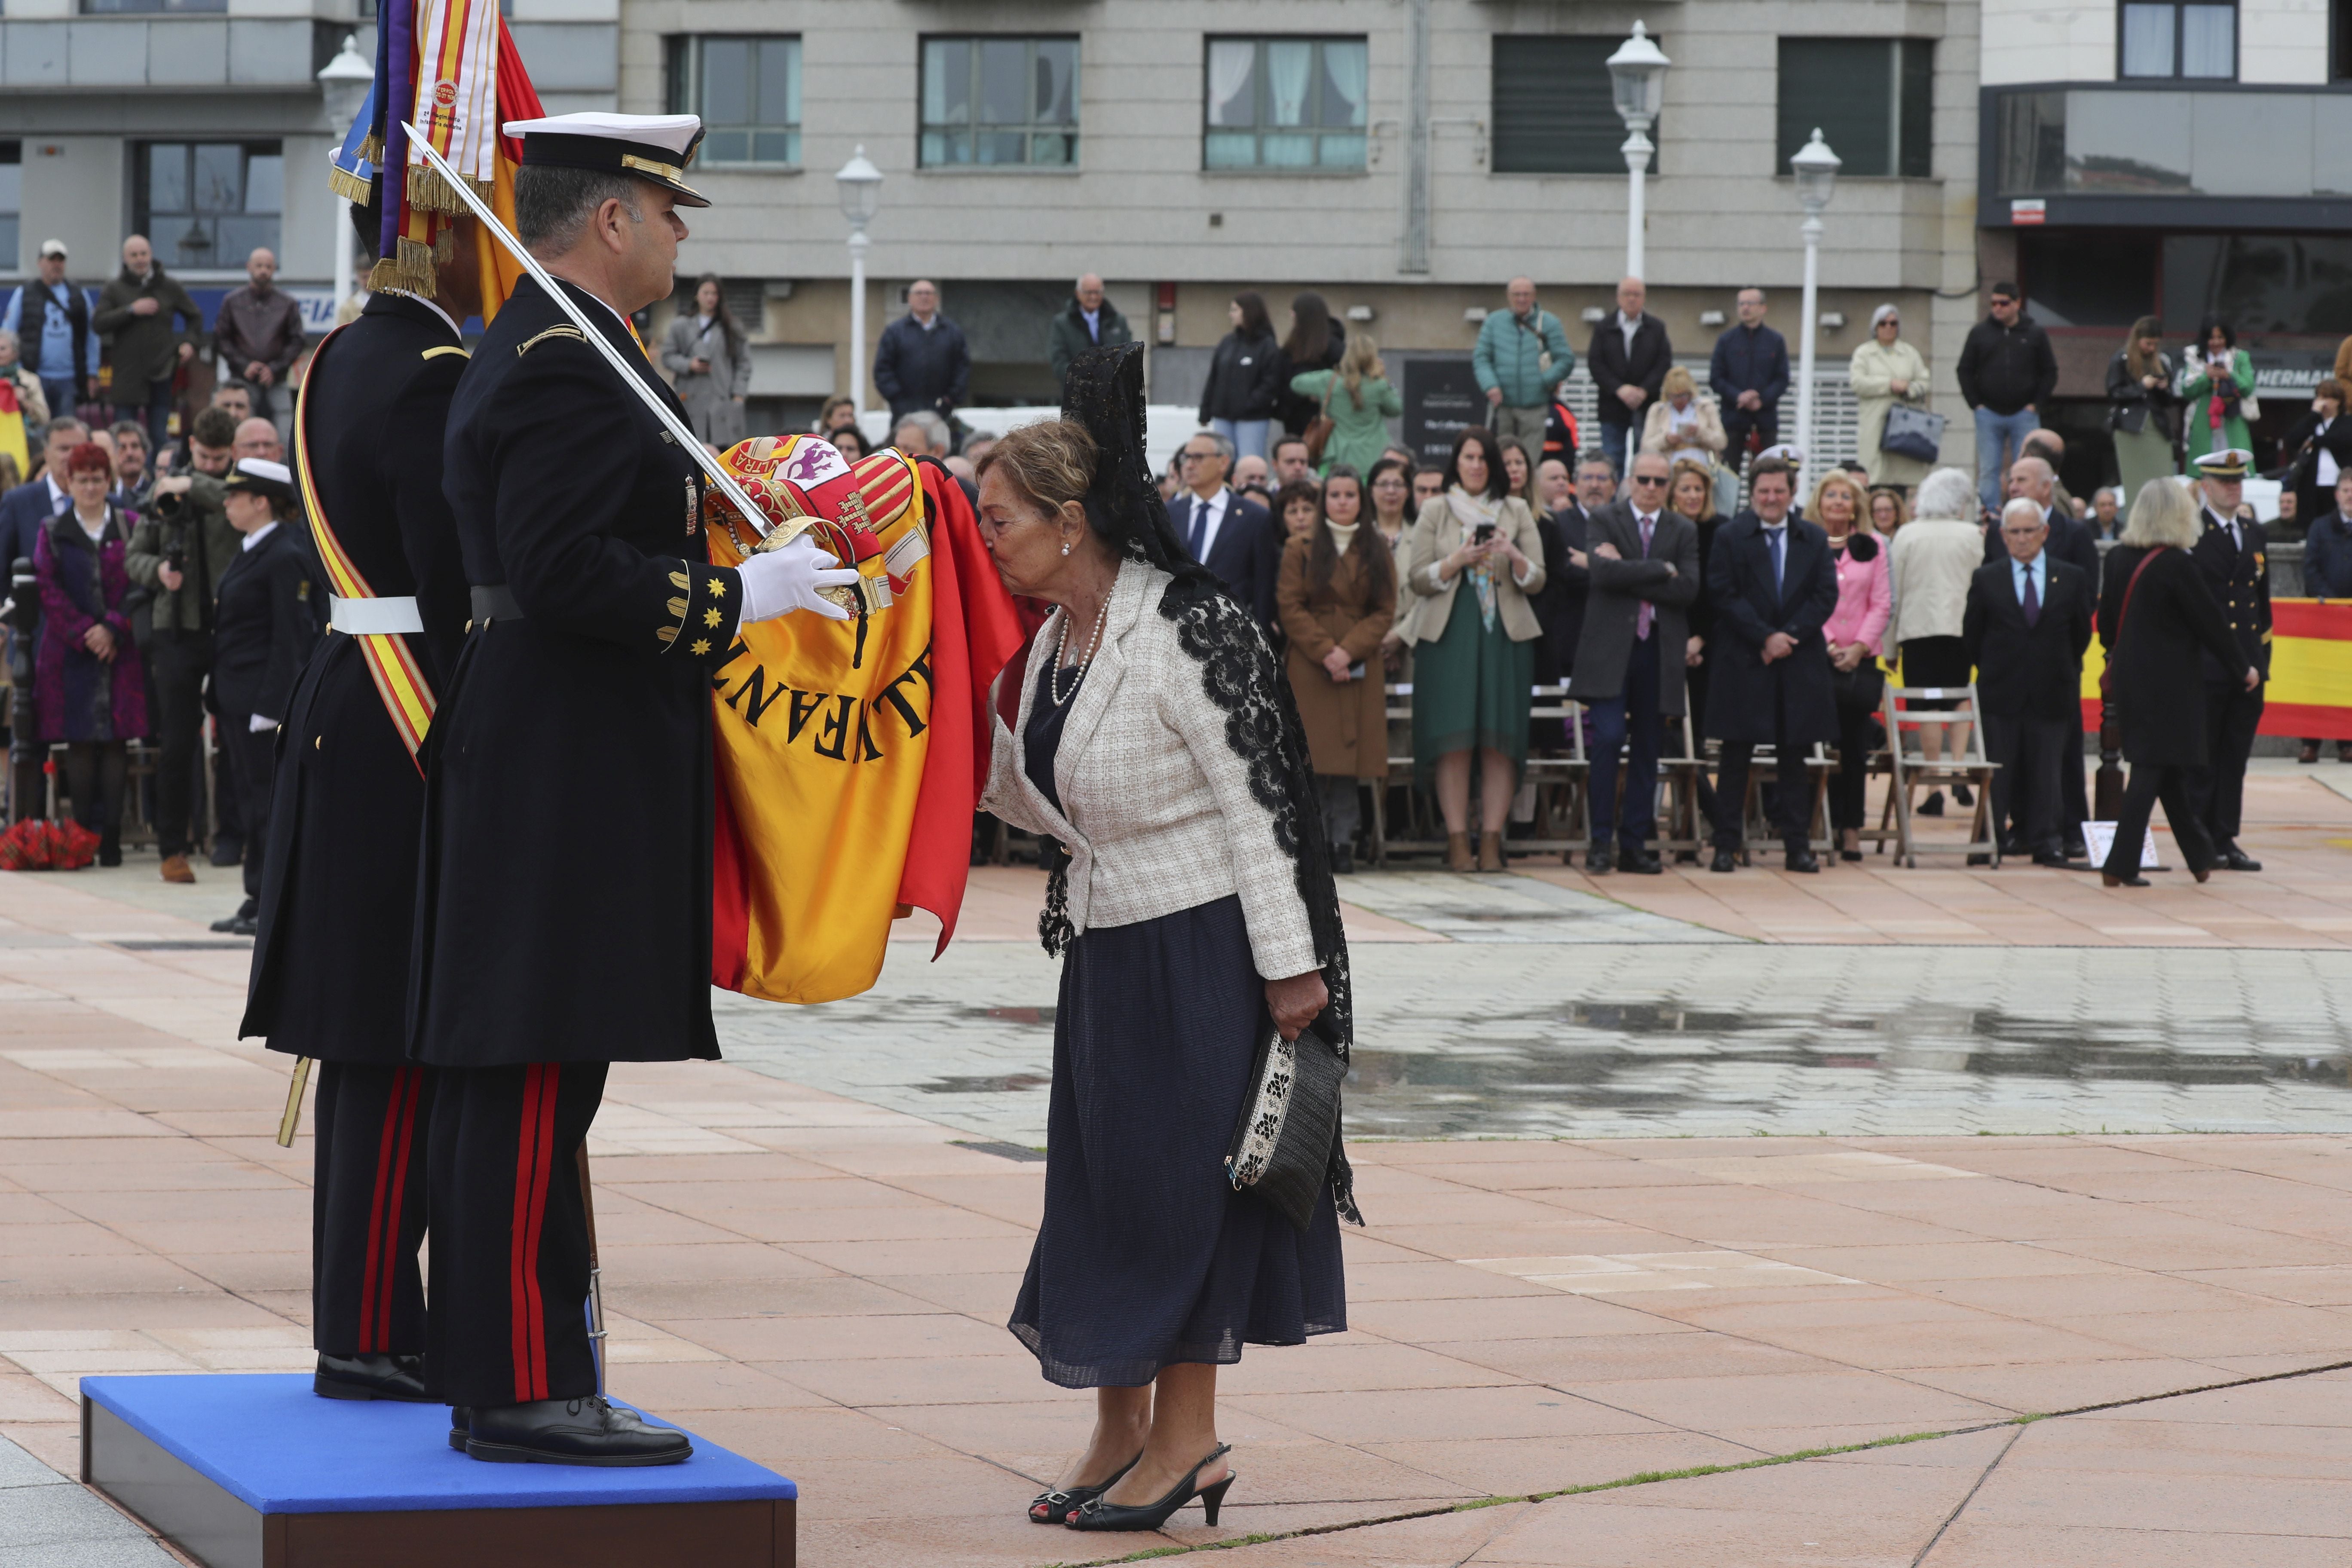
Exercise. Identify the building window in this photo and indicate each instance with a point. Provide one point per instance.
(151, 7)
(1872, 99)
(1554, 109)
(208, 203)
(11, 199)
(747, 91)
(2172, 40)
(1285, 103)
(999, 101)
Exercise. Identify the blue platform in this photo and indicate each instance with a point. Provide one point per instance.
(237, 1460)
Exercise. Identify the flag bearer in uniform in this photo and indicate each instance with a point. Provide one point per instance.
(338, 901)
(564, 919)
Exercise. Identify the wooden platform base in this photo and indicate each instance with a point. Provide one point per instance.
(255, 1471)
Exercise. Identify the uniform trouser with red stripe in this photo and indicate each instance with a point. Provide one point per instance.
(509, 1266)
(367, 1209)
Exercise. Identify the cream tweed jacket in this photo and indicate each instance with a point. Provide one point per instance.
(1156, 810)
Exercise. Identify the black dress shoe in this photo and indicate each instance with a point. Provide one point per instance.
(2233, 858)
(1641, 862)
(2077, 850)
(1800, 859)
(586, 1431)
(1725, 860)
(400, 1377)
(227, 852)
(460, 1418)
(1961, 795)
(1598, 859)
(2046, 858)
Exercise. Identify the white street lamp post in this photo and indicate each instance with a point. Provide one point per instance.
(343, 83)
(861, 196)
(1637, 72)
(1815, 168)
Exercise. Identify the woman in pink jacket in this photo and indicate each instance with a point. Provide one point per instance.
(1856, 634)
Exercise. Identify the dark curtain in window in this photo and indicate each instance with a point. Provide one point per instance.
(1554, 111)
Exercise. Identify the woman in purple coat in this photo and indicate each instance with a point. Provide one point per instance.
(87, 688)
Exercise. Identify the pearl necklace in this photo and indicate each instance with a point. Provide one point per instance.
(1085, 661)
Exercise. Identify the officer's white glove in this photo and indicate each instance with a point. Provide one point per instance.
(778, 581)
(255, 724)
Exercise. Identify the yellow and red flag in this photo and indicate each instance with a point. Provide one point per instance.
(2310, 689)
(12, 429)
(850, 753)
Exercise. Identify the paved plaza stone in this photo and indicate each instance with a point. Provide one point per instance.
(2056, 1165)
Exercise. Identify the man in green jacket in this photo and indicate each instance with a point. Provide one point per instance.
(136, 314)
(1089, 321)
(178, 552)
(1512, 369)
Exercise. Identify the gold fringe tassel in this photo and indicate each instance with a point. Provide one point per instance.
(346, 184)
(429, 192)
(372, 149)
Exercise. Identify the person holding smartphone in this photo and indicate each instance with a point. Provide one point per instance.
(1336, 595)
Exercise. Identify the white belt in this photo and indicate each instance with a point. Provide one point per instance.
(375, 617)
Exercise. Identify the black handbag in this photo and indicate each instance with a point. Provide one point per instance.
(1283, 1141)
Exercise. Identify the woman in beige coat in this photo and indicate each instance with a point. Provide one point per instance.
(1887, 371)
(1474, 654)
(1683, 419)
(1336, 595)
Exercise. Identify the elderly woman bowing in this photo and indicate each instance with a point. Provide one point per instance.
(1197, 916)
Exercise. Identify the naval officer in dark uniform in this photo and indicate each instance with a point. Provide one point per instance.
(338, 903)
(2235, 555)
(266, 622)
(564, 923)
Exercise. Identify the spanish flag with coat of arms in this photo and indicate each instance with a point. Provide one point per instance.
(851, 754)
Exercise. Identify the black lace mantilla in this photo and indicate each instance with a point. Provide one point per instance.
(1105, 393)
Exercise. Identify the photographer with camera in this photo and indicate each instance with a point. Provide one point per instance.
(179, 550)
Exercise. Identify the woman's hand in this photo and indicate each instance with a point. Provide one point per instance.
(99, 640)
(1899, 388)
(1338, 663)
(1520, 567)
(1469, 555)
(1295, 1002)
(1848, 657)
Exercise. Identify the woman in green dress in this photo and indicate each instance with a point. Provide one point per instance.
(1474, 665)
(2221, 381)
(2142, 411)
(1361, 402)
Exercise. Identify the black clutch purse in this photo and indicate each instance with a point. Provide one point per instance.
(1282, 1144)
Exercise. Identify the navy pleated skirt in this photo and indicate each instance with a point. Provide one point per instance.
(1147, 1255)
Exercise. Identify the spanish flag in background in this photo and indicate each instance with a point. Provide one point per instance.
(11, 429)
(2310, 688)
(850, 753)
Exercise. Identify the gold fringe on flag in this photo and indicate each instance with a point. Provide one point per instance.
(429, 192)
(346, 184)
(372, 150)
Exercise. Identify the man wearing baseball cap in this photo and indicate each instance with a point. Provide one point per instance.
(51, 320)
(564, 916)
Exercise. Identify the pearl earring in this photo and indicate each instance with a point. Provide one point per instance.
(1065, 550)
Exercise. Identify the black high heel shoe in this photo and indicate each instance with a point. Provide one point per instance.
(1096, 1514)
(1056, 1506)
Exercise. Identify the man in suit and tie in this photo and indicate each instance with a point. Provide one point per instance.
(1629, 358)
(2235, 553)
(1643, 560)
(2031, 477)
(2027, 622)
(1233, 537)
(1773, 586)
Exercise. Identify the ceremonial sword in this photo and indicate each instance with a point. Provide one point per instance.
(679, 431)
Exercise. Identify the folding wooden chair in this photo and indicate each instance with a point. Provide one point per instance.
(1685, 827)
(1812, 777)
(1397, 710)
(1563, 784)
(1907, 769)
